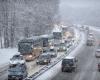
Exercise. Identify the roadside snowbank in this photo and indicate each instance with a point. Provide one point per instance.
(6, 54)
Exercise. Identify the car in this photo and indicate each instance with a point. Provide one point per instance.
(69, 64)
(44, 58)
(68, 45)
(81, 28)
(91, 35)
(61, 48)
(17, 58)
(17, 71)
(97, 53)
(52, 53)
(90, 42)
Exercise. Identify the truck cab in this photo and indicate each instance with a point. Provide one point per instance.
(17, 72)
(44, 58)
(69, 64)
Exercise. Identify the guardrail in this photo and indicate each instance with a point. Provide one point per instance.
(44, 69)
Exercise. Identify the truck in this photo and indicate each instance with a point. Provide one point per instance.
(17, 71)
(32, 47)
(69, 64)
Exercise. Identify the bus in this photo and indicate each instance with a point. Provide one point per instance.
(32, 47)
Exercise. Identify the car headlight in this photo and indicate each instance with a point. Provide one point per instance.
(13, 62)
(30, 56)
(45, 60)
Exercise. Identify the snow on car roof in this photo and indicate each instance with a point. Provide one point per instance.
(69, 57)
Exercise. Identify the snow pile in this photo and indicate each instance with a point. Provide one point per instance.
(6, 54)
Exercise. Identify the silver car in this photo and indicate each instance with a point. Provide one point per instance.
(44, 58)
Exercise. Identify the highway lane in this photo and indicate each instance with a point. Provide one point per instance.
(87, 65)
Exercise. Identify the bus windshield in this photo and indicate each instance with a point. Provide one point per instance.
(25, 48)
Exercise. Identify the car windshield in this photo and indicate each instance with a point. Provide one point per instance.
(17, 57)
(25, 47)
(67, 61)
(52, 50)
(44, 57)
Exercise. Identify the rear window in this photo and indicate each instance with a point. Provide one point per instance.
(67, 61)
(52, 50)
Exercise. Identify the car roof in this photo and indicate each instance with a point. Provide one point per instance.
(44, 54)
(69, 57)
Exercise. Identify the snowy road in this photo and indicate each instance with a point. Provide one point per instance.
(48, 75)
(87, 65)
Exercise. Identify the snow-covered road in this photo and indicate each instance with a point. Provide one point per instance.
(6, 54)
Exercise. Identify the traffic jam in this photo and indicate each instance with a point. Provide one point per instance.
(37, 52)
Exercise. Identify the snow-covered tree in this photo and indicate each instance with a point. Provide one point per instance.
(25, 18)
